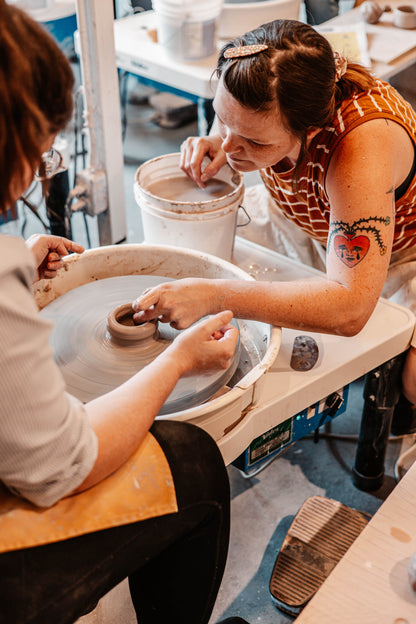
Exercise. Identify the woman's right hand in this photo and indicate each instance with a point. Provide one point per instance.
(193, 152)
(207, 345)
(122, 417)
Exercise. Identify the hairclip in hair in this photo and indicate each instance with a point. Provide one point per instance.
(247, 50)
(340, 65)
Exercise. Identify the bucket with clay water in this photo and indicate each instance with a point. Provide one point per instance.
(188, 28)
(175, 211)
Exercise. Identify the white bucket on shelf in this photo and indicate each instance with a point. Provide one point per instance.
(208, 225)
(188, 28)
(240, 16)
(59, 18)
(33, 5)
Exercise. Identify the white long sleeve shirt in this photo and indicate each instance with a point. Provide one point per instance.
(47, 447)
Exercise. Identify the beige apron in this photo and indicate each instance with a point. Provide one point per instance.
(142, 488)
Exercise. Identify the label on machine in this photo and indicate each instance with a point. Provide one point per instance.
(272, 442)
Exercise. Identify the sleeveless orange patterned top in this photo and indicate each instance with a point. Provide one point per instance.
(309, 208)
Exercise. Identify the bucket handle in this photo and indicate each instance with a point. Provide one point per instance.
(247, 215)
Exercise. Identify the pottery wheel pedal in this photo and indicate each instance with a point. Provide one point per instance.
(319, 536)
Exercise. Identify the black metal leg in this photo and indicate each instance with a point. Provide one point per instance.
(123, 79)
(205, 116)
(55, 205)
(381, 393)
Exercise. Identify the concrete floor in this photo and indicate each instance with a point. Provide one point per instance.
(264, 506)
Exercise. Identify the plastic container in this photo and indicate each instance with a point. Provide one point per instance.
(207, 226)
(33, 5)
(58, 17)
(242, 16)
(188, 29)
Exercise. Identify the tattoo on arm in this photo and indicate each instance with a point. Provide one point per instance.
(350, 240)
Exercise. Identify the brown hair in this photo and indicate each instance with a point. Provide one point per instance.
(296, 72)
(36, 83)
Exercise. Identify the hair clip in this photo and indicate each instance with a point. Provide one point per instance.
(247, 50)
(340, 65)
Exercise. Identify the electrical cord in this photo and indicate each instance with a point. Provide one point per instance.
(77, 153)
(348, 437)
(250, 475)
(327, 434)
(34, 209)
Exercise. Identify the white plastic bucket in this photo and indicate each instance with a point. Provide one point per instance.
(33, 5)
(188, 28)
(240, 16)
(207, 226)
(58, 17)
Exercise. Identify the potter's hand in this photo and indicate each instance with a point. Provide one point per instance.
(179, 303)
(208, 345)
(193, 151)
(49, 251)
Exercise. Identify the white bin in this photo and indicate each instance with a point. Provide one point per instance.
(207, 226)
(188, 29)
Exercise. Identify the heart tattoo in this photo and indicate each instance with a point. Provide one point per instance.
(351, 249)
(351, 246)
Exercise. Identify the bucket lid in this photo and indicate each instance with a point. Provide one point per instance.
(93, 363)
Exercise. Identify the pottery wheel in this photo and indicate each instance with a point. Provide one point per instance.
(93, 362)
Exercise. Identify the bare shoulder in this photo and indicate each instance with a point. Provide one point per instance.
(374, 132)
(379, 149)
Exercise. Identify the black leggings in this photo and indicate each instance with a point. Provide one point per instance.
(174, 562)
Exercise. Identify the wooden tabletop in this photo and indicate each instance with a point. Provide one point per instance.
(370, 584)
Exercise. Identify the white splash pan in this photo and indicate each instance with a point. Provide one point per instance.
(219, 415)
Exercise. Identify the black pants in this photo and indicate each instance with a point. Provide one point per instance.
(174, 562)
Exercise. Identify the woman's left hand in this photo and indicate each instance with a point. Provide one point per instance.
(180, 302)
(49, 251)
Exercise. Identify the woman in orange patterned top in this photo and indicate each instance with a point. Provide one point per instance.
(335, 148)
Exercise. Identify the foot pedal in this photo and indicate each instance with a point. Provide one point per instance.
(320, 534)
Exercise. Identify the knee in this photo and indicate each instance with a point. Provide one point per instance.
(409, 376)
(195, 461)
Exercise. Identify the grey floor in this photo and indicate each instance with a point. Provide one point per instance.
(264, 506)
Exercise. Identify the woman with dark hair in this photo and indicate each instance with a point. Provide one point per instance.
(335, 148)
(88, 496)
